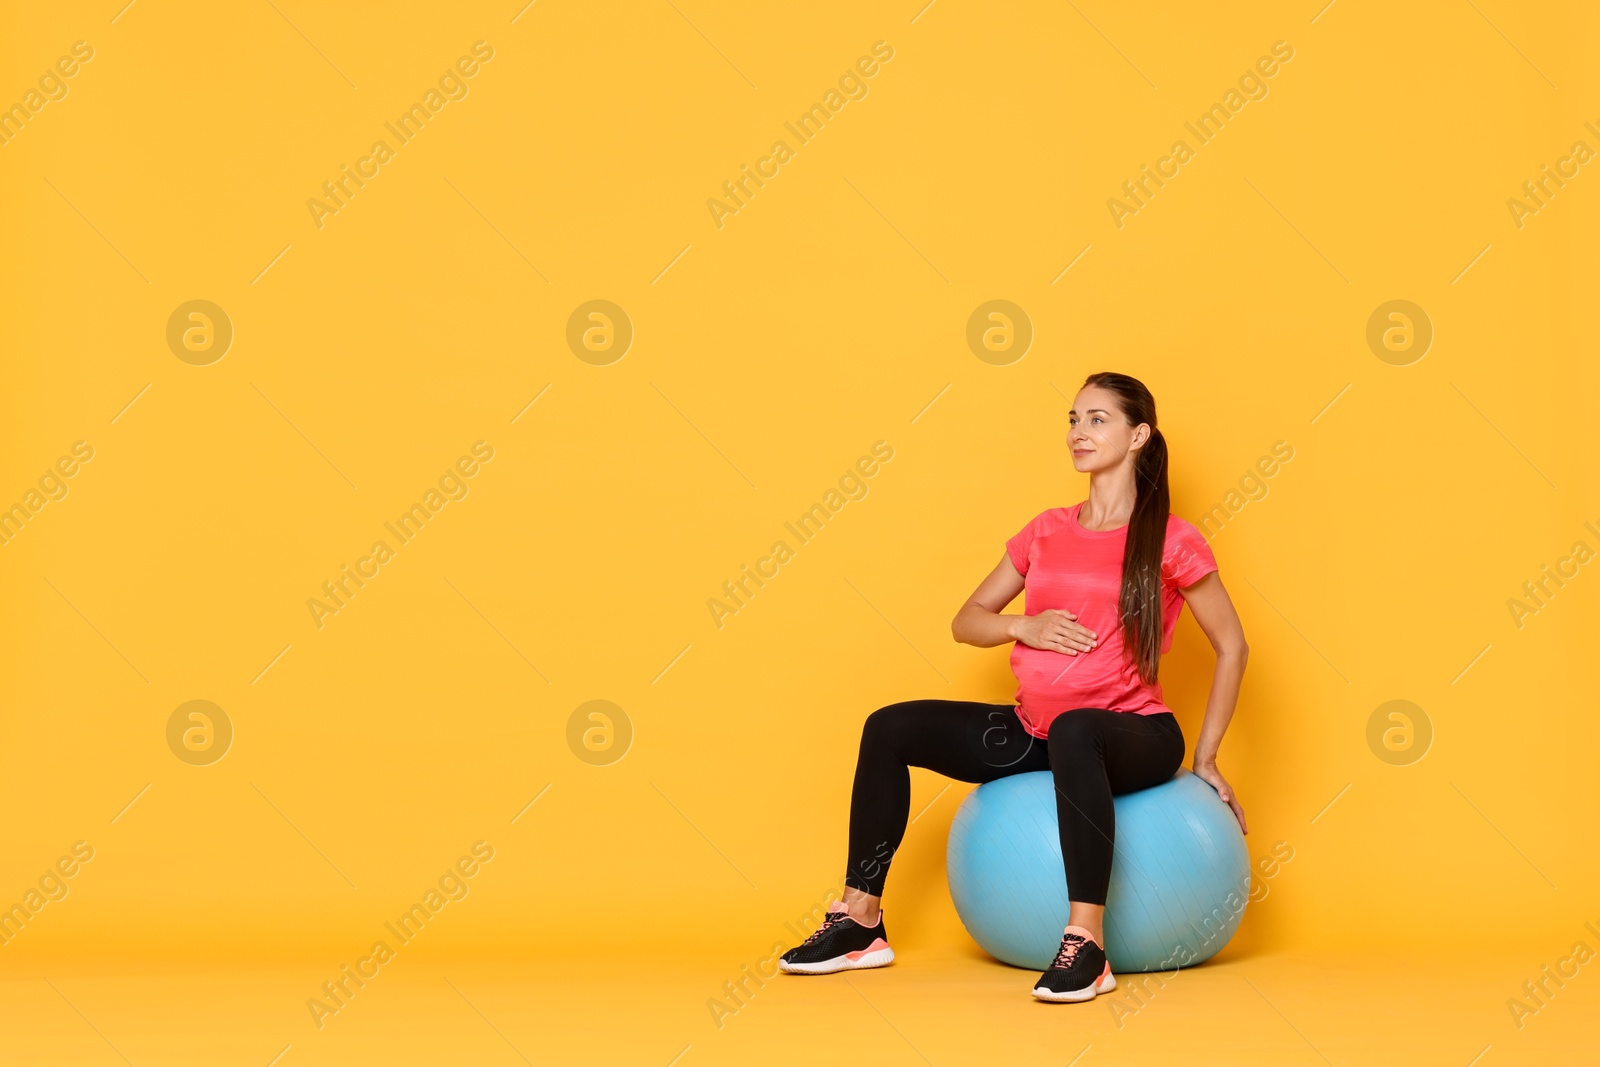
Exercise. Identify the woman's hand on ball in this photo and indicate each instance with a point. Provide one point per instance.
(1055, 631)
(1208, 772)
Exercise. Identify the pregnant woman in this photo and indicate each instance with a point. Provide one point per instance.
(1106, 580)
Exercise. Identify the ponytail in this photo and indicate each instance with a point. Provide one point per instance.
(1139, 605)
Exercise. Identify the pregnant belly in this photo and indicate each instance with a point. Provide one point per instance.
(1055, 681)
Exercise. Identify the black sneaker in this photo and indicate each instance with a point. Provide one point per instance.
(1080, 970)
(839, 944)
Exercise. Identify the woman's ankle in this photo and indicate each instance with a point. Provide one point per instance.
(1092, 918)
(863, 907)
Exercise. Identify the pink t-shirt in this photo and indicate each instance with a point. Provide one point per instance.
(1072, 569)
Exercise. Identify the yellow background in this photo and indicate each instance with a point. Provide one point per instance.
(768, 356)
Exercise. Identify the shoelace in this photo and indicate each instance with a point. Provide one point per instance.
(832, 918)
(1070, 944)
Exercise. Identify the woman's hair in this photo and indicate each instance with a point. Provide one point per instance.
(1140, 601)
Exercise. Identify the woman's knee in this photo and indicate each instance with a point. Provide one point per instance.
(1079, 724)
(1076, 735)
(887, 727)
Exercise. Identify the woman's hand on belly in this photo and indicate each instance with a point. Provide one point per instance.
(1054, 631)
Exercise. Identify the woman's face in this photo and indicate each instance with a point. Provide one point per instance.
(1099, 434)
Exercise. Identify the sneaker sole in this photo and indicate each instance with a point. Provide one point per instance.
(877, 958)
(1074, 996)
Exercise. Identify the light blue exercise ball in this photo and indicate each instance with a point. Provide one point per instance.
(1180, 875)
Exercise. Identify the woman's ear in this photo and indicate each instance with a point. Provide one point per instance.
(1141, 434)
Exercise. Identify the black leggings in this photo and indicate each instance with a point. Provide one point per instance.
(1093, 753)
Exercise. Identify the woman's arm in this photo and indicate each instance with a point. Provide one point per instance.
(980, 623)
(1213, 610)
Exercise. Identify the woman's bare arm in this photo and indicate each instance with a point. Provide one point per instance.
(1213, 610)
(980, 623)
